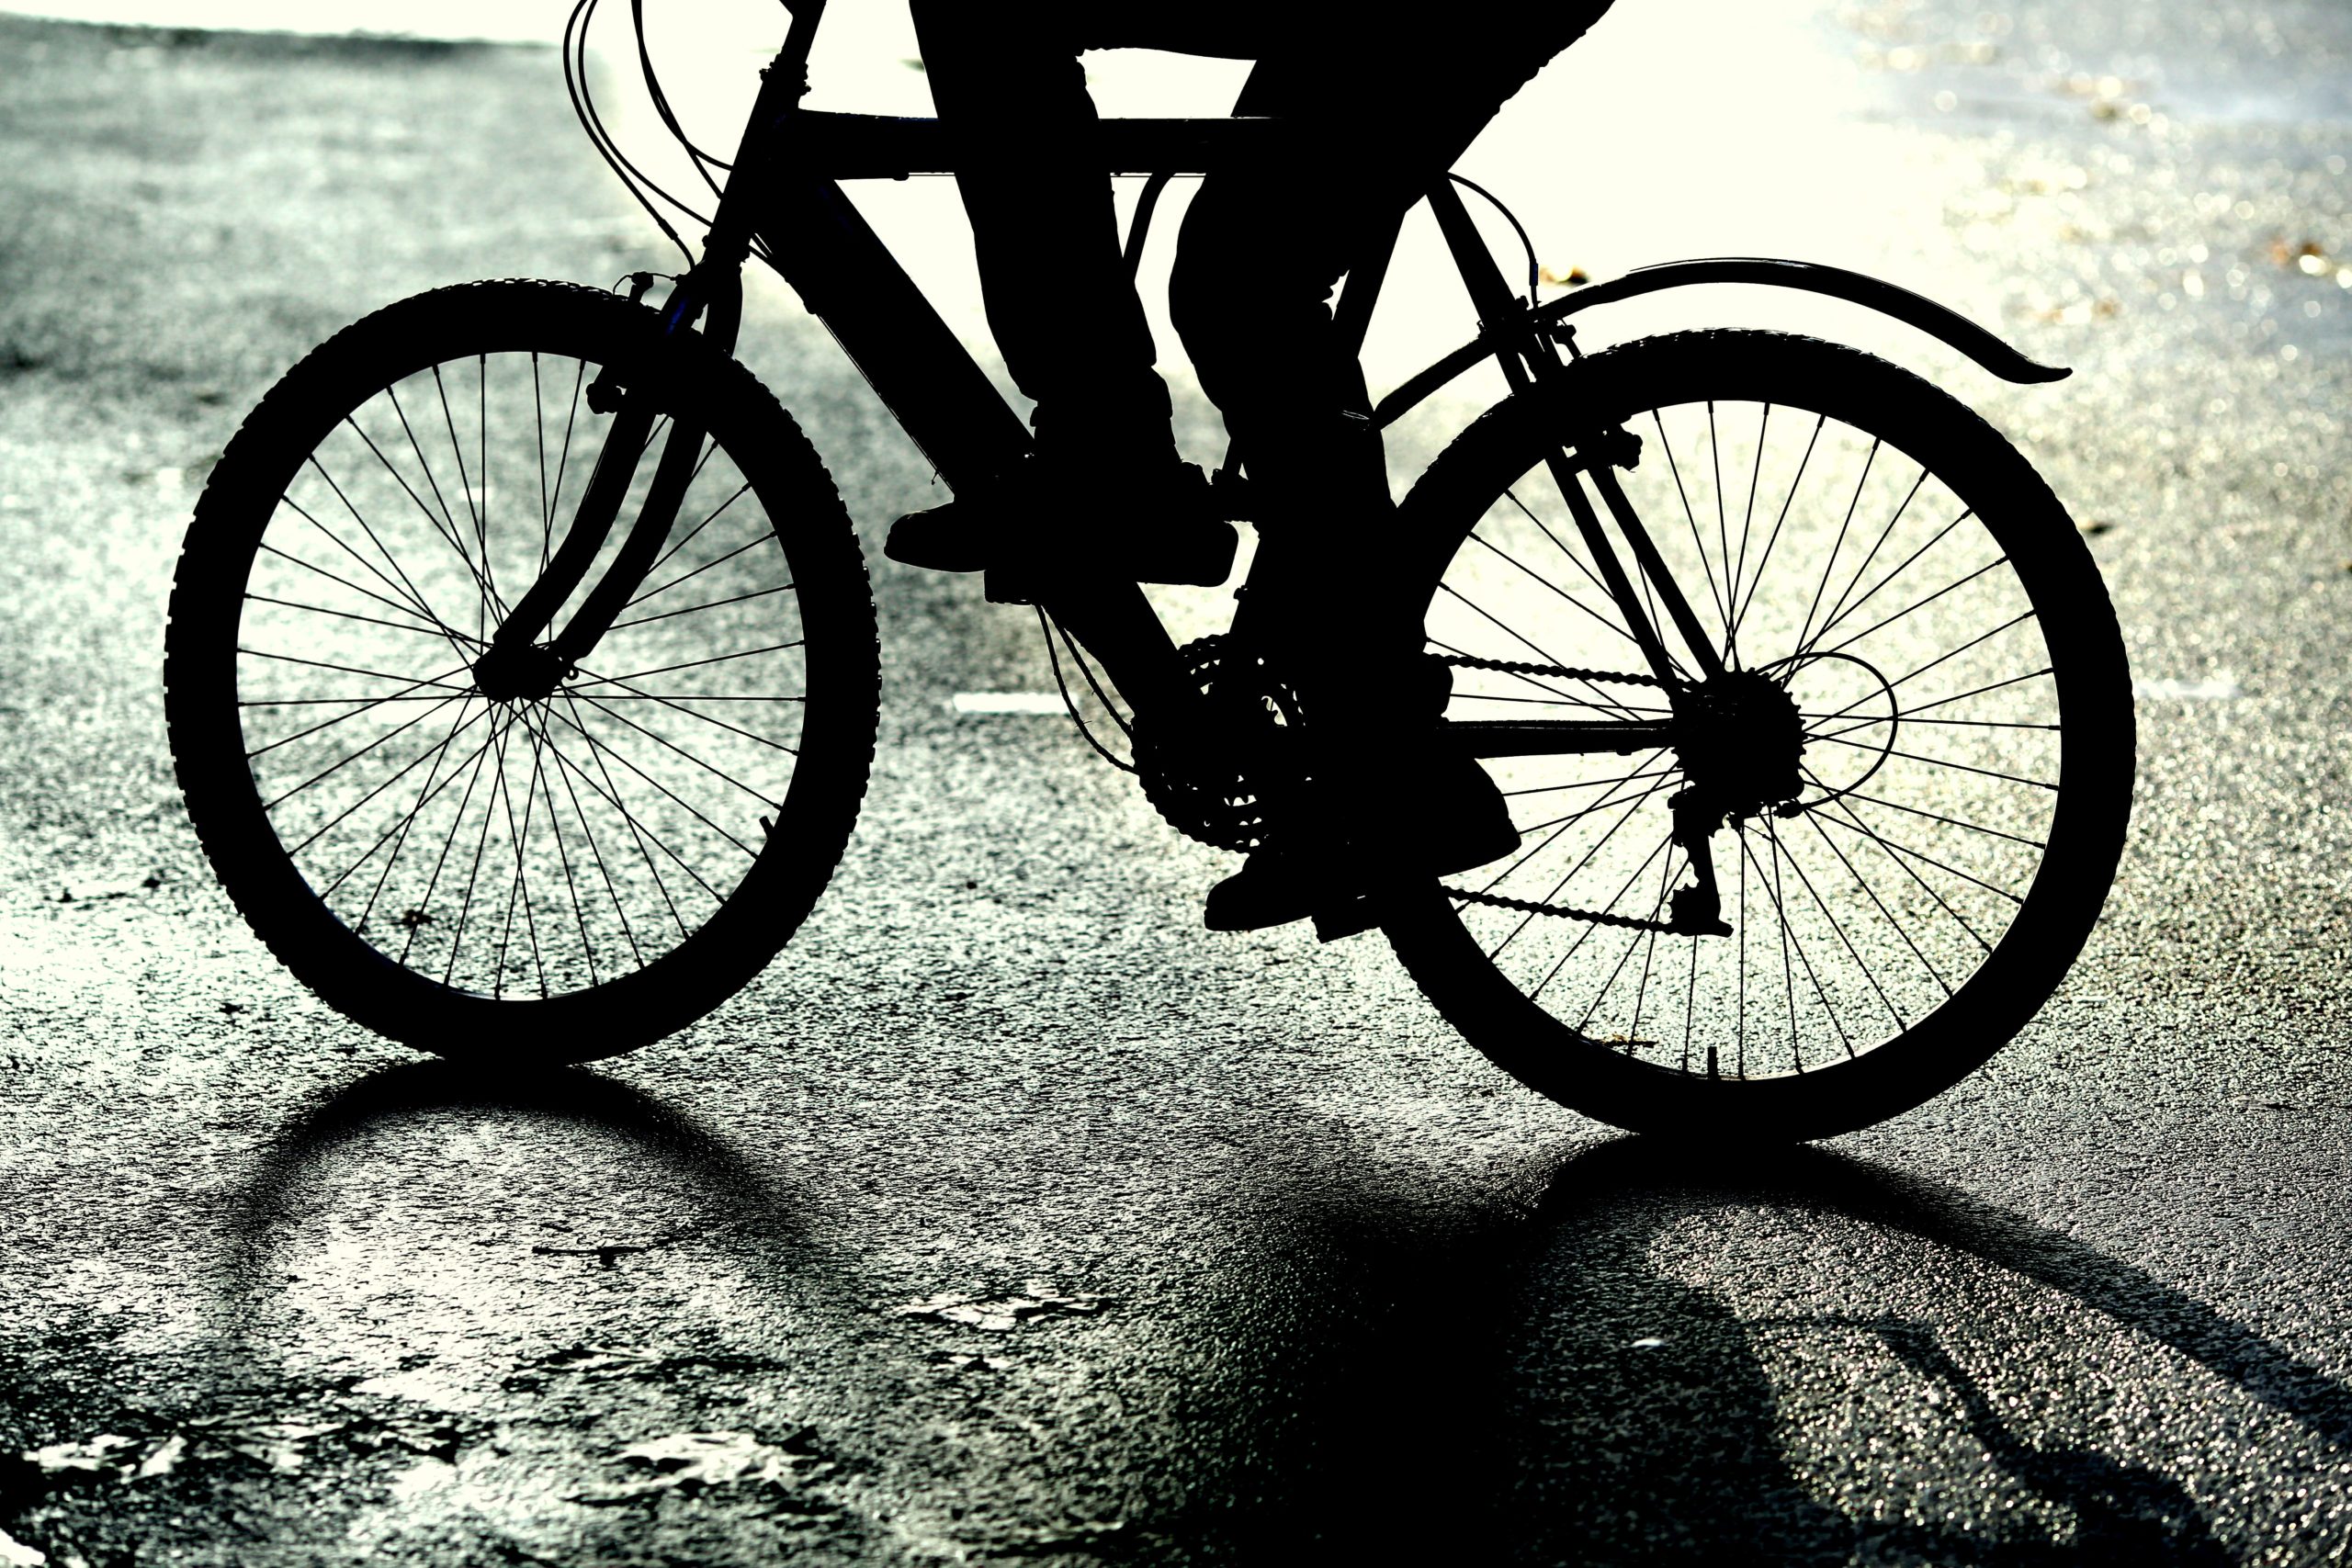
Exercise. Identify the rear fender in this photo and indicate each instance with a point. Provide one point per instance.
(1810, 278)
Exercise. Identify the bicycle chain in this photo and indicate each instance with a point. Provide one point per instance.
(1522, 667)
(1181, 802)
(1562, 912)
(1558, 911)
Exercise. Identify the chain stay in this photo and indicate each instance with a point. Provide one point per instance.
(1560, 911)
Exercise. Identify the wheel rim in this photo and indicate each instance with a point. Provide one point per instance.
(1869, 586)
(541, 843)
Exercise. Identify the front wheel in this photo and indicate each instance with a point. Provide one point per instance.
(1919, 634)
(548, 872)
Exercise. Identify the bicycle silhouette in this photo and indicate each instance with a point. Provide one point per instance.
(522, 672)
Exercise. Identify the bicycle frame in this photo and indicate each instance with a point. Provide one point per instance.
(785, 193)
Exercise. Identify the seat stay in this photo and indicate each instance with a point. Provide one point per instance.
(1529, 362)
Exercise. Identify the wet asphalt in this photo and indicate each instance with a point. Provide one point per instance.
(1012, 1217)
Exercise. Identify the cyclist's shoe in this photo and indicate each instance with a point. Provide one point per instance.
(948, 537)
(1441, 817)
(1044, 523)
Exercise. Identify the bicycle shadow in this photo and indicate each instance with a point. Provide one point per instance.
(1545, 1390)
(1533, 1385)
(744, 1201)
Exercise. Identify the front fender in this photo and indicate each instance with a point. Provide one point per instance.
(1810, 278)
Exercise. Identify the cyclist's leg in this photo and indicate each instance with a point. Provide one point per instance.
(1059, 303)
(1379, 118)
(1261, 249)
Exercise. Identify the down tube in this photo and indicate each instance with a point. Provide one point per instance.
(848, 280)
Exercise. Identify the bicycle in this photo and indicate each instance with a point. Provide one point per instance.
(498, 774)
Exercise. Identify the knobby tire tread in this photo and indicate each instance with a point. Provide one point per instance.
(2088, 837)
(200, 693)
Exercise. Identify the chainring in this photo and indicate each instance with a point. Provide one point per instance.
(1212, 792)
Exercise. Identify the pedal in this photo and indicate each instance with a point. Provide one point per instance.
(1030, 540)
(1193, 554)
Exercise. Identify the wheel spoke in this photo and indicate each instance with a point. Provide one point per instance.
(1877, 591)
(416, 596)
(627, 690)
(1829, 566)
(1853, 823)
(638, 828)
(750, 544)
(1924, 886)
(444, 523)
(405, 609)
(563, 855)
(1586, 935)
(1626, 810)
(698, 609)
(366, 707)
(1938, 761)
(688, 664)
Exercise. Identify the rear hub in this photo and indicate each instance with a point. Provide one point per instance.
(1739, 740)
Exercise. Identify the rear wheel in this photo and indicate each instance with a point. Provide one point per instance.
(552, 874)
(1896, 590)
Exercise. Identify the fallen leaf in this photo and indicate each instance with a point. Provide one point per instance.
(2080, 311)
(600, 1359)
(101, 1455)
(692, 1461)
(161, 1462)
(1001, 1315)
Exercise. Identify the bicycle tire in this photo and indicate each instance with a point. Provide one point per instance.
(344, 567)
(1687, 395)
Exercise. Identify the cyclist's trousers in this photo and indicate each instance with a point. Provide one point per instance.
(1380, 112)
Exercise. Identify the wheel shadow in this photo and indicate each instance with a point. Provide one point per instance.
(1544, 1390)
(743, 1202)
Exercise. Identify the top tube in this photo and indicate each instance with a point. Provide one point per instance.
(878, 147)
(863, 146)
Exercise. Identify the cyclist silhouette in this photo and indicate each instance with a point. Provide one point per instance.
(1378, 112)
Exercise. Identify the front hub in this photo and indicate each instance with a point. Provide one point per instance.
(508, 673)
